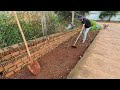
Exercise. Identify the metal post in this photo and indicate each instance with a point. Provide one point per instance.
(73, 13)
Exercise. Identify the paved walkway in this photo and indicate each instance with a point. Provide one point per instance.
(102, 58)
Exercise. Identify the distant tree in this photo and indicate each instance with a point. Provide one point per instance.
(68, 14)
(64, 15)
(83, 13)
(103, 14)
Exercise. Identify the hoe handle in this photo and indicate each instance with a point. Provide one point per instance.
(78, 37)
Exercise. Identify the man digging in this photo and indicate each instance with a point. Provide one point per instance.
(86, 25)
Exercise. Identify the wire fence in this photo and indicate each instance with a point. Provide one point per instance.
(35, 24)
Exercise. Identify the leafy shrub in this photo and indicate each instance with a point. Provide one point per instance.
(94, 26)
(93, 23)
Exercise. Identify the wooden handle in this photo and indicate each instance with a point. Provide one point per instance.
(78, 37)
(18, 23)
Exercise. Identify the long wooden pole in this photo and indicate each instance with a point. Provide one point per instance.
(21, 31)
(34, 66)
(77, 38)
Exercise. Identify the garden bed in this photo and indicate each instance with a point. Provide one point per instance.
(58, 63)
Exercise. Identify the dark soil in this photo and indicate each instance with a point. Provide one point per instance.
(58, 63)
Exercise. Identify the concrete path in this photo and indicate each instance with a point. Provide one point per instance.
(102, 59)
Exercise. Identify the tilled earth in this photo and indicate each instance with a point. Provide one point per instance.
(58, 63)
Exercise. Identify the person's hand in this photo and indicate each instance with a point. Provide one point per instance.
(81, 31)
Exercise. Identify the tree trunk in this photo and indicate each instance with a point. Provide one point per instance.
(109, 18)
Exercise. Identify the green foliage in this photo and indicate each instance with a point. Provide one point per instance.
(10, 34)
(64, 15)
(2, 42)
(32, 28)
(83, 13)
(67, 15)
(52, 24)
(93, 23)
(94, 26)
(103, 14)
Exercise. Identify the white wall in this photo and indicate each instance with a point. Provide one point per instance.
(95, 16)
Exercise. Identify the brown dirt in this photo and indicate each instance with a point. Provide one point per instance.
(58, 63)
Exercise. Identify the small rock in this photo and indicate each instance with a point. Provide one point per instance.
(80, 56)
(67, 69)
